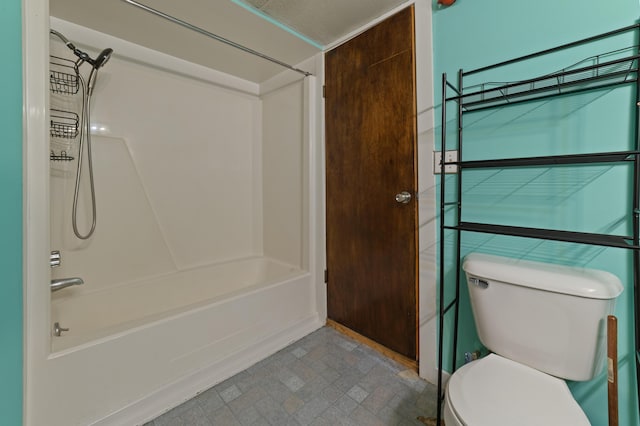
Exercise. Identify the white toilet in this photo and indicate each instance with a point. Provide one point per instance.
(543, 323)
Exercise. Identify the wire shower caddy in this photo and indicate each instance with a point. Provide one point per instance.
(64, 80)
(64, 77)
(64, 124)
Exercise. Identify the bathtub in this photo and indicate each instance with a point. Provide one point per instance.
(134, 351)
(174, 299)
(106, 313)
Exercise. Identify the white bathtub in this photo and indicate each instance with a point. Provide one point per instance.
(150, 327)
(138, 349)
(109, 312)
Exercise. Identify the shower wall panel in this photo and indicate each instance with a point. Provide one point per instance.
(178, 177)
(284, 173)
(127, 244)
(193, 145)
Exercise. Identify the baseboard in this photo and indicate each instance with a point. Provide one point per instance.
(170, 396)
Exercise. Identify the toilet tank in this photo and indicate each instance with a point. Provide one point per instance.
(549, 317)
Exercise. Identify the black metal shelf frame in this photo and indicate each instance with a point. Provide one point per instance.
(557, 160)
(606, 240)
(597, 76)
(622, 70)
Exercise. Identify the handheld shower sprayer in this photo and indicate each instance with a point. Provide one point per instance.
(85, 134)
(102, 58)
(96, 63)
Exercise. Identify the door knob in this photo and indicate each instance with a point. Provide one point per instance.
(404, 197)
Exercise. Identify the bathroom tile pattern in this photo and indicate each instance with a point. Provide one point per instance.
(324, 379)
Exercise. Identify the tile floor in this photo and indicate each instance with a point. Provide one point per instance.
(323, 379)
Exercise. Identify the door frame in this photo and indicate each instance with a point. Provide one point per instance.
(399, 278)
(427, 212)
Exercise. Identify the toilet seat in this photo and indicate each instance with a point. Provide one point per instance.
(495, 391)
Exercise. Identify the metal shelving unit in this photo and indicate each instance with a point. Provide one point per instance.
(609, 70)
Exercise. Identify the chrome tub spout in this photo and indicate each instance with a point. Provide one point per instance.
(59, 284)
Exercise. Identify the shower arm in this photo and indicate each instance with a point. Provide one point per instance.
(84, 57)
(215, 36)
(96, 63)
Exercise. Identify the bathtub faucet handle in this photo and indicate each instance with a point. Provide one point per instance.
(55, 259)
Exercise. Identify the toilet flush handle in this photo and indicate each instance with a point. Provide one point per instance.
(479, 283)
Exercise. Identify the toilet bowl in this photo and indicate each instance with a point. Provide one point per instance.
(495, 391)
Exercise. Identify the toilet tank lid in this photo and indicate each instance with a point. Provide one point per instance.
(576, 281)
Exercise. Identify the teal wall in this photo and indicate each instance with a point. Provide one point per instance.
(471, 34)
(11, 213)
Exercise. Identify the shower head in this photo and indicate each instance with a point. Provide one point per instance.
(96, 63)
(101, 59)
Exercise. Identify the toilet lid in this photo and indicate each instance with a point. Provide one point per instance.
(495, 391)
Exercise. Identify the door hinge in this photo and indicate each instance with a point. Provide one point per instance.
(324, 91)
(326, 276)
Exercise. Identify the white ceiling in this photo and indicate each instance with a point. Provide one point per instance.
(322, 21)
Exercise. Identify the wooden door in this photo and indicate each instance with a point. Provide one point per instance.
(370, 148)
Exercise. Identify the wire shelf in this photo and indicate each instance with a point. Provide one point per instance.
(64, 124)
(64, 77)
(576, 78)
(63, 156)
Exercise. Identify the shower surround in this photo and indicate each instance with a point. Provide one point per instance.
(202, 262)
